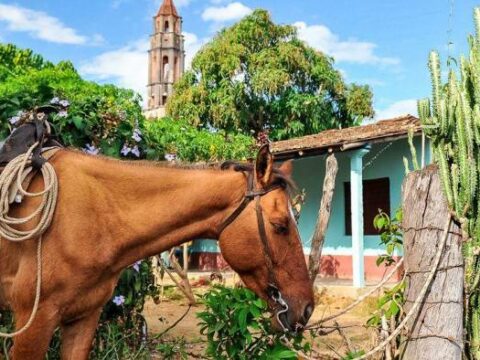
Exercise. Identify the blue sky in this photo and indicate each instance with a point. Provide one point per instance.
(378, 42)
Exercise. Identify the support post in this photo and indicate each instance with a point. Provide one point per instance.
(356, 191)
(436, 332)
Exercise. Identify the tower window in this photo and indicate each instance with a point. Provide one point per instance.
(167, 26)
(175, 68)
(166, 68)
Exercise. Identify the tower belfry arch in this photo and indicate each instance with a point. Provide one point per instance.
(166, 58)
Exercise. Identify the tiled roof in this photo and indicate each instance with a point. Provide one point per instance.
(168, 8)
(348, 138)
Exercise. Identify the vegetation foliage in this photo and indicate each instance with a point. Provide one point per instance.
(238, 327)
(257, 75)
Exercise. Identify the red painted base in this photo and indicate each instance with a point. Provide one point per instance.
(333, 266)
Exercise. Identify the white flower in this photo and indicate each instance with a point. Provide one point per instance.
(137, 135)
(170, 157)
(136, 266)
(119, 300)
(136, 151)
(62, 113)
(14, 119)
(125, 150)
(64, 103)
(55, 100)
(91, 149)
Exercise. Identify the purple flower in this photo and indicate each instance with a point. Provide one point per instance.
(64, 103)
(137, 135)
(62, 113)
(55, 100)
(119, 300)
(14, 119)
(136, 151)
(136, 266)
(170, 157)
(91, 149)
(125, 150)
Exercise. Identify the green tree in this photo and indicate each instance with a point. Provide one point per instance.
(257, 75)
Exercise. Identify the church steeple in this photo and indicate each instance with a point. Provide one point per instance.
(166, 57)
(168, 8)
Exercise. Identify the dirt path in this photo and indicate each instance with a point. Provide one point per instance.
(161, 316)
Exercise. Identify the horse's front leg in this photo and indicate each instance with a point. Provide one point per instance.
(77, 336)
(34, 342)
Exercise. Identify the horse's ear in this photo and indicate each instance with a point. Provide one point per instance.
(287, 168)
(264, 166)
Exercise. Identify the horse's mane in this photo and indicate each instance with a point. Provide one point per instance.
(279, 178)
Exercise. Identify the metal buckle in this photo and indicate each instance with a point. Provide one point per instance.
(277, 298)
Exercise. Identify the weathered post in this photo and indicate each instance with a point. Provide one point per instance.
(436, 332)
(331, 169)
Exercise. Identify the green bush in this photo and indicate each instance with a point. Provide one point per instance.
(189, 143)
(238, 326)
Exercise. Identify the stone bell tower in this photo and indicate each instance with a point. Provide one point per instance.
(166, 58)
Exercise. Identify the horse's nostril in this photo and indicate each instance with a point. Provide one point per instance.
(307, 312)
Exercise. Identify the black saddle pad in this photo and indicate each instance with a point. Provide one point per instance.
(21, 139)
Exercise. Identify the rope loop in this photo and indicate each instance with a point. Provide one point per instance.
(11, 180)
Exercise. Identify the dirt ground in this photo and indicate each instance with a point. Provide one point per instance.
(173, 306)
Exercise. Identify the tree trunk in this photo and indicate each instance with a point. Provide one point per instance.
(436, 332)
(324, 211)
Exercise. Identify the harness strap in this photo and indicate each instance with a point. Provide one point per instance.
(250, 195)
(272, 279)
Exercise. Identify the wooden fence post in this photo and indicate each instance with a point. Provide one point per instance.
(437, 330)
(331, 169)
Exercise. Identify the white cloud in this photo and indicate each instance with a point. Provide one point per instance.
(323, 39)
(230, 12)
(39, 24)
(192, 44)
(126, 67)
(398, 108)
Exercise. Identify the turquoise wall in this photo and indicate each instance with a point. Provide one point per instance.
(309, 173)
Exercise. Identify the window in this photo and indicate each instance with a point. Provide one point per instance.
(166, 69)
(376, 195)
(167, 29)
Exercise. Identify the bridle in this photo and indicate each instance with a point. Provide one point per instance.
(272, 289)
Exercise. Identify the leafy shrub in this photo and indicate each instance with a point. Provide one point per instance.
(238, 326)
(391, 235)
(189, 143)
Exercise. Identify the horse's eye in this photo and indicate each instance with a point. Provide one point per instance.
(280, 229)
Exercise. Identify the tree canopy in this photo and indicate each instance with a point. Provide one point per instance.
(257, 75)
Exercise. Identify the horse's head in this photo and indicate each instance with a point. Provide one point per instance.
(260, 241)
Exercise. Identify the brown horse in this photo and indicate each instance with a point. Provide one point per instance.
(112, 213)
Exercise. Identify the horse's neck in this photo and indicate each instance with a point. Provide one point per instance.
(157, 208)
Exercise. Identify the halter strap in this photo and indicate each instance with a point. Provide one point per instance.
(250, 195)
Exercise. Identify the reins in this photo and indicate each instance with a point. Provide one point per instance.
(11, 179)
(272, 290)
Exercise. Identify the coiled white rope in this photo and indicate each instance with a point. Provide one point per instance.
(11, 179)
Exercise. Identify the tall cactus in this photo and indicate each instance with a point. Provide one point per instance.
(451, 119)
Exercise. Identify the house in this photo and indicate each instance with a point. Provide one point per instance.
(370, 157)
